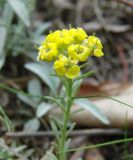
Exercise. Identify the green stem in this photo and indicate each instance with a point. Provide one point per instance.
(62, 156)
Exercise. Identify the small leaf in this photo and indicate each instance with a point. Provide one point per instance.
(31, 5)
(32, 125)
(5, 26)
(77, 111)
(5, 119)
(55, 129)
(3, 35)
(76, 86)
(20, 9)
(27, 100)
(43, 108)
(51, 156)
(57, 101)
(2, 60)
(19, 148)
(43, 71)
(34, 87)
(57, 120)
(72, 126)
(67, 144)
(29, 152)
(42, 27)
(85, 103)
(86, 75)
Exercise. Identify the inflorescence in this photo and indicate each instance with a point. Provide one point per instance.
(66, 48)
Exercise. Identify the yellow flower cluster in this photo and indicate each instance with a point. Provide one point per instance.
(68, 47)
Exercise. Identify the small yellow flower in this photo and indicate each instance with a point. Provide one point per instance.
(73, 71)
(47, 52)
(66, 67)
(52, 37)
(94, 42)
(78, 52)
(62, 38)
(98, 53)
(78, 34)
(60, 65)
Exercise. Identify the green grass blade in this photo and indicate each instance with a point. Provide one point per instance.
(5, 119)
(104, 96)
(105, 144)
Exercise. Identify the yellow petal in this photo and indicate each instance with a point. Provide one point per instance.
(98, 53)
(95, 41)
(59, 68)
(73, 71)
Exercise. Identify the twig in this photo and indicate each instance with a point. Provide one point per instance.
(79, 8)
(96, 26)
(99, 14)
(130, 4)
(86, 132)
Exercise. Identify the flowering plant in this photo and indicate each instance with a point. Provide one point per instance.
(66, 49)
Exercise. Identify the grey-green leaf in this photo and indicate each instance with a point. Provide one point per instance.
(19, 148)
(2, 60)
(76, 86)
(42, 27)
(32, 125)
(85, 103)
(43, 71)
(27, 100)
(34, 87)
(54, 128)
(43, 108)
(20, 9)
(3, 34)
(51, 156)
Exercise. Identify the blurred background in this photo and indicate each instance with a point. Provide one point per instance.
(23, 26)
